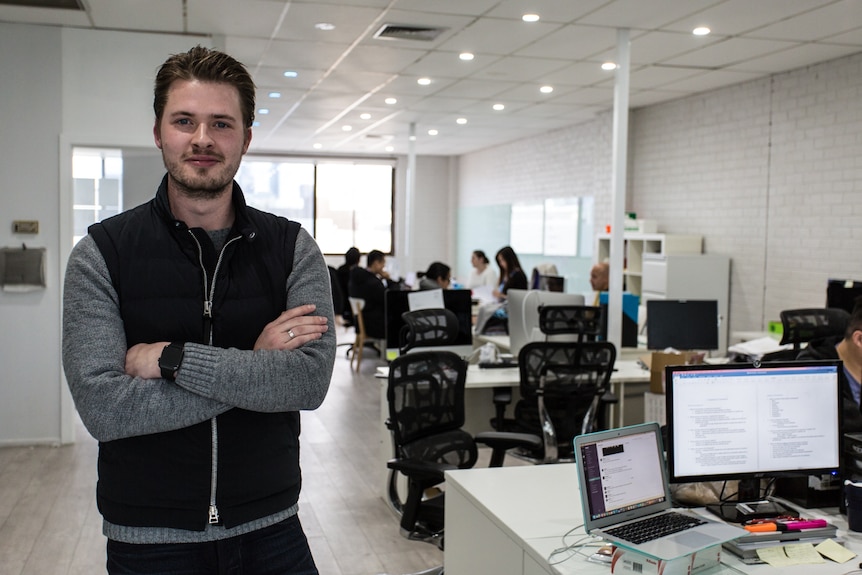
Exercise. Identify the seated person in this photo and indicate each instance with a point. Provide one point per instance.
(511, 274)
(438, 276)
(351, 260)
(847, 348)
(370, 284)
(482, 274)
(599, 279)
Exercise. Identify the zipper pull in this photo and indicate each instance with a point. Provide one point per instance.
(213, 516)
(208, 308)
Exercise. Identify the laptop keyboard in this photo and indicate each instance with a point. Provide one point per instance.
(654, 527)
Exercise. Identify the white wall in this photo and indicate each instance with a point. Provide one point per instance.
(767, 171)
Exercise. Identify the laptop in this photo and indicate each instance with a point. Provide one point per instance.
(623, 480)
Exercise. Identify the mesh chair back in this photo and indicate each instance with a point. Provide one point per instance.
(426, 408)
(804, 325)
(426, 327)
(583, 320)
(571, 377)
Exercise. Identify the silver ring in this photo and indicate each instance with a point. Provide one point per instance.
(291, 334)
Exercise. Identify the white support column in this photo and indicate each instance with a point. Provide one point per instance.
(618, 185)
(409, 199)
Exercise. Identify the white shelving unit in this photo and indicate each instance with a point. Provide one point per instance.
(667, 266)
(639, 247)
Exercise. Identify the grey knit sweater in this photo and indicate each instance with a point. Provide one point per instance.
(212, 380)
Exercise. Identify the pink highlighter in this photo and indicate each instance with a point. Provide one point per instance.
(801, 524)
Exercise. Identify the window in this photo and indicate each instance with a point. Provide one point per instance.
(97, 176)
(343, 203)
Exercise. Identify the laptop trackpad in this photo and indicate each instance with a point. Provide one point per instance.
(694, 539)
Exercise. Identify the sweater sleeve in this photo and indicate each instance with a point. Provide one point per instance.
(272, 380)
(111, 404)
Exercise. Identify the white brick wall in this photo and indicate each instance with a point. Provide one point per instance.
(769, 172)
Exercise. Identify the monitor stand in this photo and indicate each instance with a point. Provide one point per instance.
(749, 505)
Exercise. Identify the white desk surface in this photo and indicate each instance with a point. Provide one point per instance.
(534, 506)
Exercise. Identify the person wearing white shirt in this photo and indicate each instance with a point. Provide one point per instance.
(482, 274)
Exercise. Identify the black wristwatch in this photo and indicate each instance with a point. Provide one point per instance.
(170, 360)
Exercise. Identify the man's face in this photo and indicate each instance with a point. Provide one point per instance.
(377, 267)
(202, 137)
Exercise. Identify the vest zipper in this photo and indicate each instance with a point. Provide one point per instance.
(209, 292)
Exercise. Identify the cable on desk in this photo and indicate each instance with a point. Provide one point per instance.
(574, 548)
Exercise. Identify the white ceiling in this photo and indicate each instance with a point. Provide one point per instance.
(346, 72)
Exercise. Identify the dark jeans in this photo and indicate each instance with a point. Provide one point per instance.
(281, 549)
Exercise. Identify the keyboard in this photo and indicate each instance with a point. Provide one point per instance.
(654, 527)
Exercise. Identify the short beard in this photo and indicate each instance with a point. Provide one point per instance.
(200, 187)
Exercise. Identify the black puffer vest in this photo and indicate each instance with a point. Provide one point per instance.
(245, 464)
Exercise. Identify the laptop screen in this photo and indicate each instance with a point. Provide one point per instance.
(622, 474)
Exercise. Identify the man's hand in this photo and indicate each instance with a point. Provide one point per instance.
(142, 360)
(292, 328)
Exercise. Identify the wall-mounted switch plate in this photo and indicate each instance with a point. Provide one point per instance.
(26, 226)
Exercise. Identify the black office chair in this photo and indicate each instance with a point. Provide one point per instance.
(565, 386)
(426, 413)
(807, 324)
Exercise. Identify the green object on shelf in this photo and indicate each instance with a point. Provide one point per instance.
(775, 327)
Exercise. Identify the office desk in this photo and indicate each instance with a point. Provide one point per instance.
(508, 520)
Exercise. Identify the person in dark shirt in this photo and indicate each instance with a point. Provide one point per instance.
(370, 284)
(511, 274)
(351, 260)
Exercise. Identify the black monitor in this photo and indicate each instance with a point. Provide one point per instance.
(752, 421)
(842, 294)
(682, 324)
(458, 301)
(552, 283)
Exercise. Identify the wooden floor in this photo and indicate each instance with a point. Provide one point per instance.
(49, 524)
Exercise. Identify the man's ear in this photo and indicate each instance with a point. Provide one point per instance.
(856, 338)
(157, 135)
(247, 140)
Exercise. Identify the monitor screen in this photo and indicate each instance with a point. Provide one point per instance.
(738, 421)
(842, 294)
(552, 283)
(682, 324)
(523, 310)
(459, 302)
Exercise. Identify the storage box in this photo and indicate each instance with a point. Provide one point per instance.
(628, 561)
(657, 361)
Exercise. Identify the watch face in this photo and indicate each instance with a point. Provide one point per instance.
(169, 361)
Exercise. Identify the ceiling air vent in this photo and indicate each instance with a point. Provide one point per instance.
(408, 32)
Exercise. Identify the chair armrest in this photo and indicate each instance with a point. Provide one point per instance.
(418, 469)
(506, 440)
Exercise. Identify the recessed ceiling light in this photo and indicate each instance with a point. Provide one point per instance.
(499, 107)
(461, 121)
(412, 138)
(317, 146)
(433, 132)
(466, 56)
(263, 111)
(346, 127)
(701, 31)
(546, 89)
(423, 81)
(530, 17)
(275, 95)
(255, 124)
(325, 26)
(390, 148)
(290, 74)
(391, 101)
(365, 116)
(609, 66)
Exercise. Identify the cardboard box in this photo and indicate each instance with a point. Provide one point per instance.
(628, 561)
(657, 361)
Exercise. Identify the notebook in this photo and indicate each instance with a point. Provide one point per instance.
(624, 479)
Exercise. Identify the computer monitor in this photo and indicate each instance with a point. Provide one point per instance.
(842, 294)
(682, 324)
(751, 421)
(523, 310)
(552, 283)
(459, 302)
